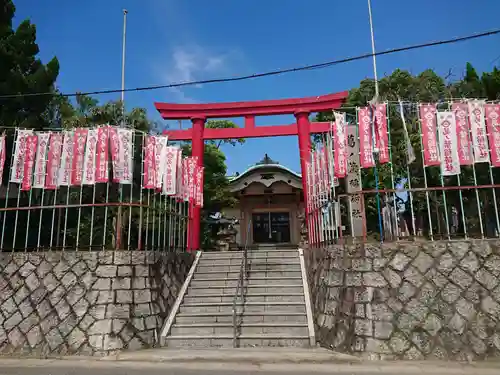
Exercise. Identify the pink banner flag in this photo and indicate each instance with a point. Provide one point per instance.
(492, 112)
(478, 131)
(78, 155)
(199, 186)
(185, 179)
(178, 189)
(365, 138)
(464, 147)
(115, 153)
(149, 171)
(309, 186)
(170, 173)
(89, 166)
(102, 174)
(160, 156)
(339, 145)
(64, 176)
(428, 120)
(381, 133)
(2, 156)
(192, 164)
(29, 161)
(448, 144)
(125, 138)
(16, 173)
(41, 160)
(53, 161)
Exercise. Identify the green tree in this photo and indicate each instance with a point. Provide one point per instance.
(21, 73)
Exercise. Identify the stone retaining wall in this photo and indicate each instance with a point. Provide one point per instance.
(436, 300)
(86, 302)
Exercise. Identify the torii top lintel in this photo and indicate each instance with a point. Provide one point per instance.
(172, 111)
(249, 110)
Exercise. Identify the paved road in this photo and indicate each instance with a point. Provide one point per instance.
(83, 367)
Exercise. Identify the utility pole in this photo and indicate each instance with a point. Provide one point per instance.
(125, 11)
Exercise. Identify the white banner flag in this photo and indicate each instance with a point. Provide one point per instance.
(448, 143)
(64, 178)
(89, 161)
(16, 173)
(160, 158)
(41, 160)
(125, 153)
(170, 173)
(478, 131)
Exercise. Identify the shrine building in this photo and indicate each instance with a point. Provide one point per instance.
(270, 197)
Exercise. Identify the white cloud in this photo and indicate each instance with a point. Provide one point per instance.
(194, 63)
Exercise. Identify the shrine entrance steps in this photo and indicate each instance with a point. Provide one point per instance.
(274, 311)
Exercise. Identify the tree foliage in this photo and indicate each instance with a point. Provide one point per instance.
(21, 72)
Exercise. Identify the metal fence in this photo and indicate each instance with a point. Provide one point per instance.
(405, 197)
(111, 215)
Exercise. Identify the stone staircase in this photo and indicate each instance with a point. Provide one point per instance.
(273, 312)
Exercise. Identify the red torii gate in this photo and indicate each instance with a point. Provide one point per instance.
(199, 113)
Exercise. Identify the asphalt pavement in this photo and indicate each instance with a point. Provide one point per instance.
(92, 367)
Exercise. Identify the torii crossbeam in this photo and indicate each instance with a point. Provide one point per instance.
(301, 108)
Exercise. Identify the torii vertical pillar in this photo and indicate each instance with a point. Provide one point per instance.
(197, 150)
(304, 137)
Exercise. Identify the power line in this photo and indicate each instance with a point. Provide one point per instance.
(264, 74)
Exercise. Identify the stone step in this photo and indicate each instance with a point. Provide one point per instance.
(226, 341)
(202, 274)
(198, 329)
(263, 297)
(247, 317)
(258, 274)
(233, 282)
(252, 258)
(255, 265)
(257, 307)
(195, 290)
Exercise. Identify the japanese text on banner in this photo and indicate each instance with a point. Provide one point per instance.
(340, 143)
(450, 164)
(478, 131)
(492, 112)
(382, 135)
(365, 138)
(428, 121)
(464, 147)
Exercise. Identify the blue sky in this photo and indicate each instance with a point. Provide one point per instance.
(179, 40)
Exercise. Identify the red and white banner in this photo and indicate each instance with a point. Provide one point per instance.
(381, 133)
(365, 138)
(29, 161)
(89, 166)
(199, 186)
(192, 164)
(114, 144)
(448, 143)
(64, 176)
(492, 112)
(16, 173)
(149, 170)
(185, 179)
(160, 156)
(339, 144)
(3, 151)
(102, 174)
(41, 160)
(324, 168)
(53, 161)
(78, 155)
(309, 174)
(125, 153)
(478, 131)
(427, 114)
(170, 174)
(179, 187)
(464, 148)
